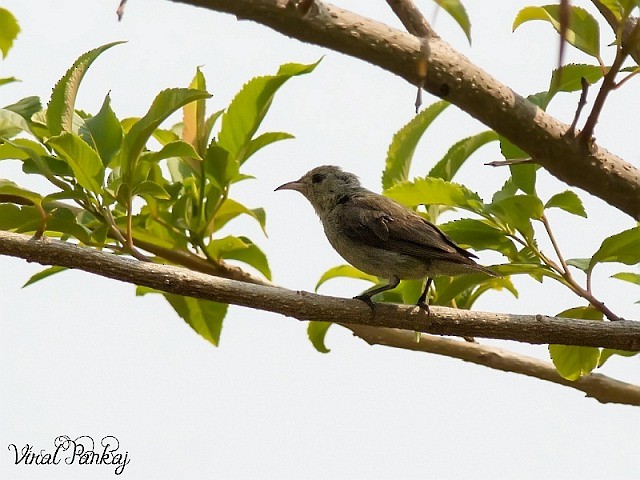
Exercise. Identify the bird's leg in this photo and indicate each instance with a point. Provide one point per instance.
(366, 296)
(422, 301)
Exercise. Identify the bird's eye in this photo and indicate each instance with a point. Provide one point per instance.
(317, 178)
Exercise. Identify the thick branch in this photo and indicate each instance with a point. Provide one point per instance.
(454, 78)
(536, 329)
(369, 326)
(600, 387)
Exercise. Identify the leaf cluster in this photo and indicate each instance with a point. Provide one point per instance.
(135, 188)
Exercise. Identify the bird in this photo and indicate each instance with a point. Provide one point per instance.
(380, 236)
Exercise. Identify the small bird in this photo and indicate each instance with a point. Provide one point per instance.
(378, 235)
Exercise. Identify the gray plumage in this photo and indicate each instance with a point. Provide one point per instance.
(378, 235)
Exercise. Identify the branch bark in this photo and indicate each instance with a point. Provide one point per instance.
(453, 77)
(398, 322)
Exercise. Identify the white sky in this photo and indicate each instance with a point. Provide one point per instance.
(81, 355)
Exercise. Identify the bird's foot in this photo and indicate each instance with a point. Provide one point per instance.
(423, 305)
(366, 299)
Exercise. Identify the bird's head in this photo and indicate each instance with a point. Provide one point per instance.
(325, 187)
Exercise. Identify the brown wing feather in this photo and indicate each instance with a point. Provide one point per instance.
(383, 223)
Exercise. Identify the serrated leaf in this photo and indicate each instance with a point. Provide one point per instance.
(263, 140)
(434, 191)
(345, 271)
(517, 212)
(60, 111)
(165, 103)
(47, 272)
(623, 247)
(83, 160)
(404, 142)
(567, 201)
(204, 316)
(9, 30)
(449, 165)
(103, 131)
(249, 107)
(568, 78)
(459, 14)
(317, 331)
(573, 362)
(583, 31)
(620, 8)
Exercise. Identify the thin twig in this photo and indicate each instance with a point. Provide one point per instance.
(412, 18)
(581, 103)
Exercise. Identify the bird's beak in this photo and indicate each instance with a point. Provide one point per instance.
(297, 185)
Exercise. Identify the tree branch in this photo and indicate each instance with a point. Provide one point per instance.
(600, 387)
(453, 77)
(535, 329)
(360, 319)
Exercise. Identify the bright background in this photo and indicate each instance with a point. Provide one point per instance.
(81, 355)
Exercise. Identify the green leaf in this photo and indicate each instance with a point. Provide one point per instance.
(204, 316)
(165, 103)
(83, 160)
(7, 80)
(173, 149)
(47, 272)
(152, 189)
(517, 212)
(263, 140)
(573, 362)
(249, 107)
(194, 131)
(104, 132)
(317, 332)
(60, 110)
(567, 201)
(434, 191)
(449, 165)
(403, 145)
(9, 30)
(607, 353)
(568, 78)
(243, 250)
(11, 189)
(524, 177)
(459, 14)
(231, 209)
(583, 31)
(11, 124)
(623, 247)
(620, 8)
(580, 263)
(26, 107)
(14, 217)
(345, 271)
(479, 235)
(628, 277)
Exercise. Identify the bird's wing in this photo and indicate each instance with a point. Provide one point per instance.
(381, 222)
